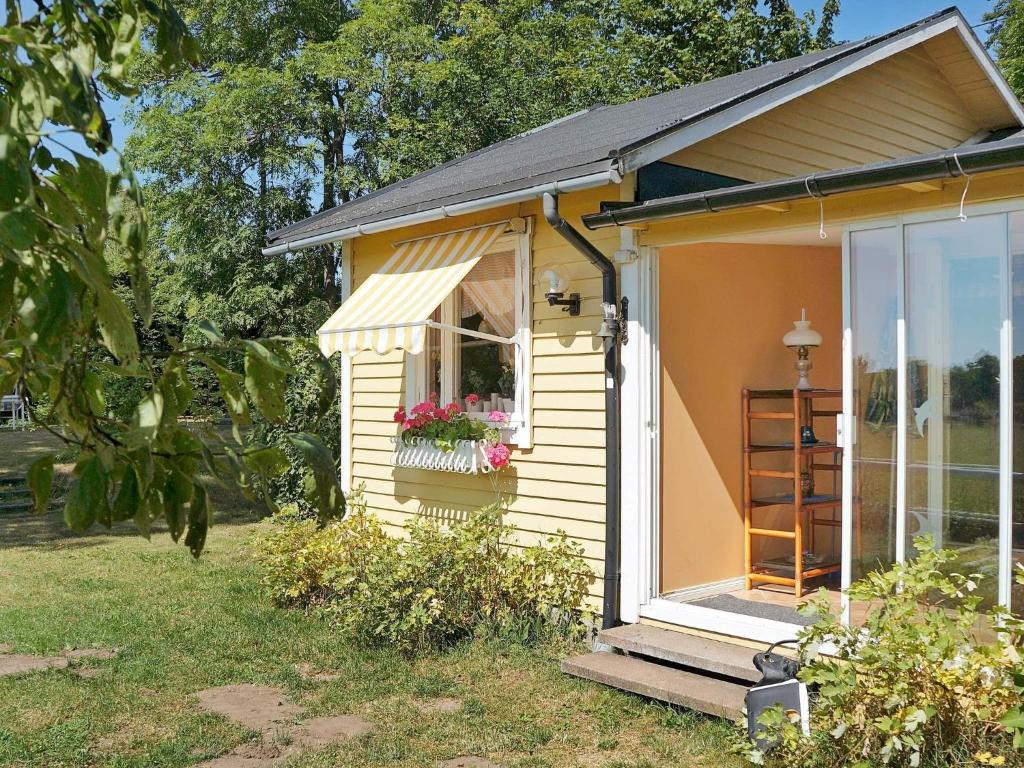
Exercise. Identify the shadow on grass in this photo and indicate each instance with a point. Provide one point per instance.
(26, 530)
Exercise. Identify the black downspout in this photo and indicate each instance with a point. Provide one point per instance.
(609, 297)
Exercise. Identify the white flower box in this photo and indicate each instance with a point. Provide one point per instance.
(467, 458)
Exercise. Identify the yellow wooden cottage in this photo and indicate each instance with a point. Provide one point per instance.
(618, 283)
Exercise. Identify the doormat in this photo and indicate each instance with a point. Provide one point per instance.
(755, 608)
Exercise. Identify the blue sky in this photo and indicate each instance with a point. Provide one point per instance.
(861, 18)
(858, 18)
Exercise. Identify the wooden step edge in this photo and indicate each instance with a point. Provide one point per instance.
(698, 653)
(709, 695)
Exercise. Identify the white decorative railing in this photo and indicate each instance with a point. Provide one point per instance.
(468, 457)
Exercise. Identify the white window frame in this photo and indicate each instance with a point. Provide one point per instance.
(520, 427)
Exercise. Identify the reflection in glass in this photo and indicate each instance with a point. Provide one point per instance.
(874, 258)
(1017, 309)
(954, 312)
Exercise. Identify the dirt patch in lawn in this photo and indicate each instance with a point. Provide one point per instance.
(269, 711)
(257, 707)
(469, 761)
(102, 654)
(440, 705)
(309, 672)
(322, 731)
(23, 663)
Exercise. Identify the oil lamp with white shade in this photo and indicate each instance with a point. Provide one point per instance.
(803, 339)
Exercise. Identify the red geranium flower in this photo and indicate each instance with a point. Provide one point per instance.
(422, 408)
(472, 399)
(400, 414)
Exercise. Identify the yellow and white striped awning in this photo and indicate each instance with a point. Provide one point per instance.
(392, 308)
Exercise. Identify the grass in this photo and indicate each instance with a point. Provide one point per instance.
(183, 625)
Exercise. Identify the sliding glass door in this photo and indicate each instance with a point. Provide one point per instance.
(931, 404)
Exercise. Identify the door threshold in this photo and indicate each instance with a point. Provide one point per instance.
(719, 622)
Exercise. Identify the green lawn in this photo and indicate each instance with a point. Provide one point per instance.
(182, 626)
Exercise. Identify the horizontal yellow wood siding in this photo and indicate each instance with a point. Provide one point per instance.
(559, 483)
(904, 105)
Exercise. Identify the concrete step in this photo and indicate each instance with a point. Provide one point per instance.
(710, 695)
(698, 653)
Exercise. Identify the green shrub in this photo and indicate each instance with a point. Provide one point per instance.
(929, 679)
(434, 587)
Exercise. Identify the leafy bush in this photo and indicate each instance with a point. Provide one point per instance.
(930, 679)
(430, 589)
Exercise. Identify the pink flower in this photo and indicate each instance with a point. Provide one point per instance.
(408, 424)
(472, 399)
(498, 455)
(434, 397)
(498, 417)
(400, 415)
(453, 408)
(422, 408)
(440, 413)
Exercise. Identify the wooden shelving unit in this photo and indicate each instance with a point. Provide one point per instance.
(803, 407)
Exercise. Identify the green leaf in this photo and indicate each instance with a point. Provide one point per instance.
(231, 391)
(268, 461)
(19, 229)
(177, 493)
(264, 381)
(126, 41)
(87, 501)
(1013, 719)
(198, 520)
(321, 485)
(116, 327)
(15, 171)
(149, 414)
(40, 482)
(210, 330)
(126, 503)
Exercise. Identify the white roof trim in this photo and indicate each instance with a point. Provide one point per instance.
(758, 105)
(600, 179)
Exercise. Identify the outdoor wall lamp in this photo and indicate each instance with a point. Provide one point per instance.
(557, 284)
(803, 339)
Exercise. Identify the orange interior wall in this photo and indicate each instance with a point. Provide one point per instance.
(724, 309)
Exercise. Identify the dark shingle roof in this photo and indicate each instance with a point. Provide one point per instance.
(584, 143)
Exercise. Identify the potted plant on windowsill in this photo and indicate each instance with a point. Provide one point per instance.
(448, 440)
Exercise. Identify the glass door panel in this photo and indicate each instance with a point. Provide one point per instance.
(873, 304)
(1016, 237)
(955, 281)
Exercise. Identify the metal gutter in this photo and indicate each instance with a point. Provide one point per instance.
(611, 176)
(613, 385)
(979, 158)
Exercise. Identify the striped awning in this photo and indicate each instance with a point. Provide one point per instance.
(392, 308)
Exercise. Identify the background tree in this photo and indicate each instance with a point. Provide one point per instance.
(65, 326)
(1006, 39)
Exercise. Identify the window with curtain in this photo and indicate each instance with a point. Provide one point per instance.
(486, 303)
(480, 374)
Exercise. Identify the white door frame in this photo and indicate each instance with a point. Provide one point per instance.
(640, 596)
